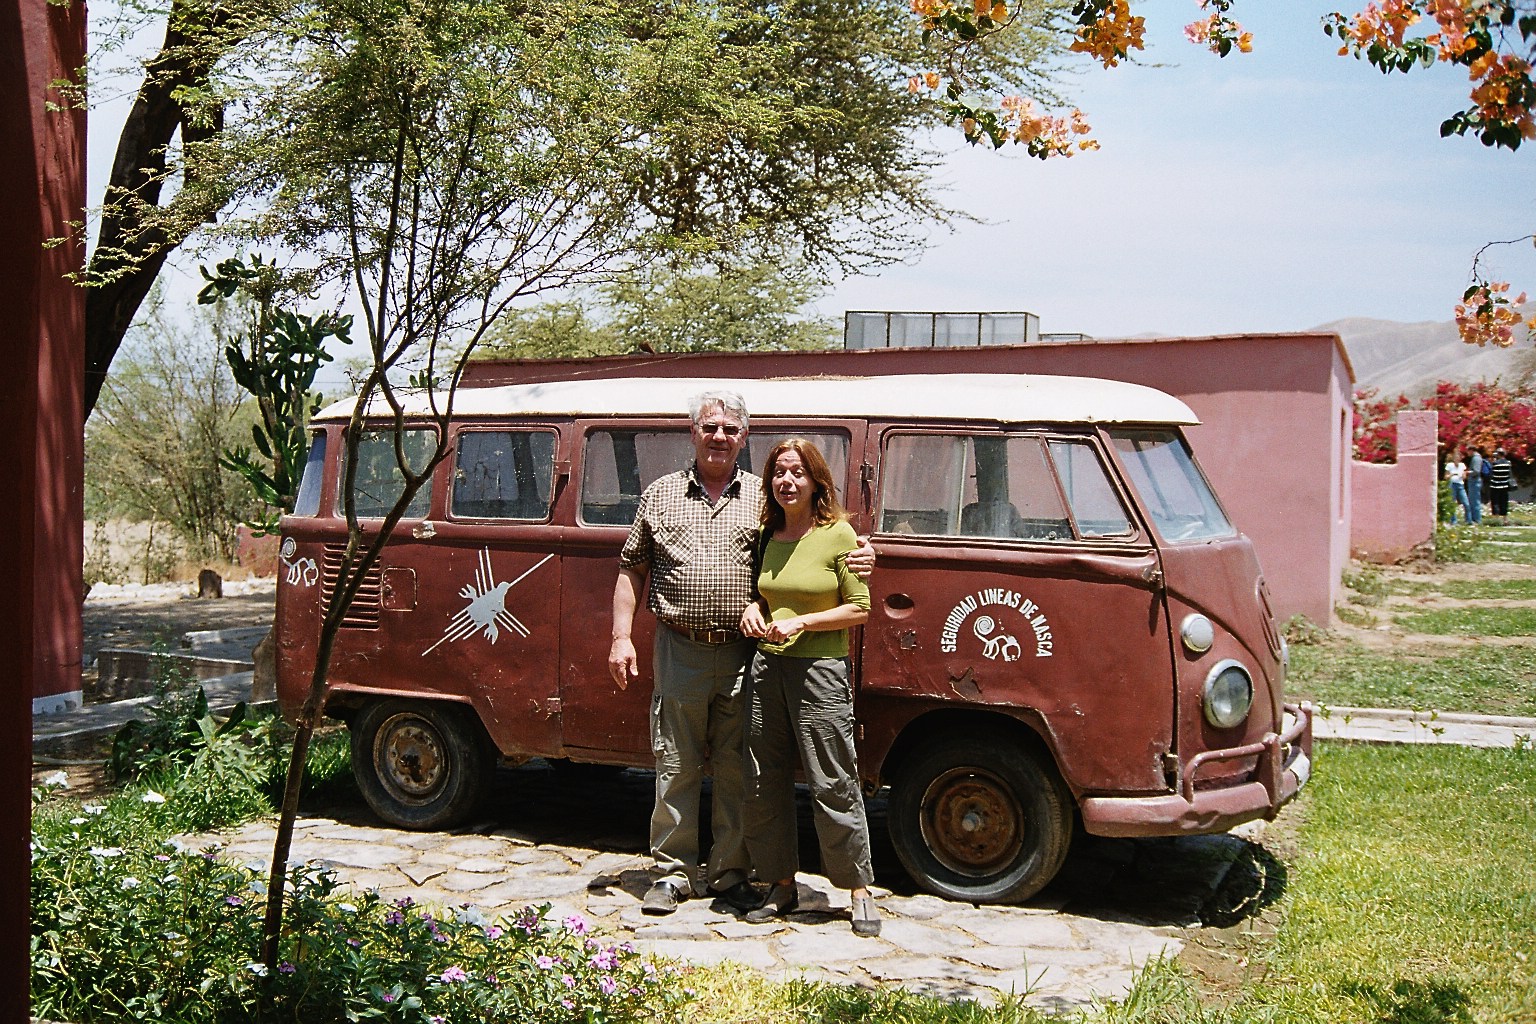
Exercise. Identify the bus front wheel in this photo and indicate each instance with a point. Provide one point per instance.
(420, 765)
(980, 819)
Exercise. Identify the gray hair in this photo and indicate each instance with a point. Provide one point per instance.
(729, 401)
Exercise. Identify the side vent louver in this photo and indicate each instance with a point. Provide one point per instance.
(364, 613)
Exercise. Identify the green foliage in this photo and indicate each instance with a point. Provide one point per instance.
(1301, 631)
(1486, 679)
(664, 308)
(275, 360)
(152, 444)
(128, 927)
(1472, 621)
(1357, 617)
(1367, 584)
(1459, 543)
(1470, 590)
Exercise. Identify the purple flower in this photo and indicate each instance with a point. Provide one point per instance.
(545, 962)
(454, 973)
(439, 937)
(494, 932)
(286, 968)
(405, 903)
(576, 924)
(394, 917)
(607, 985)
(389, 997)
(567, 1004)
(569, 981)
(234, 901)
(354, 943)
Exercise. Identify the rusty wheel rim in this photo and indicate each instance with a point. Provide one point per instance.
(972, 822)
(409, 755)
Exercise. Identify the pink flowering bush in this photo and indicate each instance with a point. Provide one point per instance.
(129, 927)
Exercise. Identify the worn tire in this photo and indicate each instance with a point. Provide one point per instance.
(980, 818)
(419, 764)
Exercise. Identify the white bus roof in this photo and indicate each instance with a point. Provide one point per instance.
(1000, 397)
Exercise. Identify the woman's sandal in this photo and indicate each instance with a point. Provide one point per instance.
(866, 916)
(782, 899)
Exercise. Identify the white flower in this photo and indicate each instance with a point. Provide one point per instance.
(105, 851)
(260, 970)
(172, 936)
(77, 821)
(257, 886)
(152, 798)
(129, 882)
(58, 780)
(471, 915)
(346, 908)
(94, 808)
(170, 879)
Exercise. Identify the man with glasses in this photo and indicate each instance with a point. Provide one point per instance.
(694, 535)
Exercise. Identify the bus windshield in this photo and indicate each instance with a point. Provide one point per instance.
(1172, 489)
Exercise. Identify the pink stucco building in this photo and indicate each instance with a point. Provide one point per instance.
(1274, 436)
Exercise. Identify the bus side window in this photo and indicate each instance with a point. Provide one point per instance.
(1095, 505)
(618, 465)
(983, 485)
(503, 474)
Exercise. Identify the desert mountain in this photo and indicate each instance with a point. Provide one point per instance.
(1408, 359)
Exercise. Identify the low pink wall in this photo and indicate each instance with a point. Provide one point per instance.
(1394, 503)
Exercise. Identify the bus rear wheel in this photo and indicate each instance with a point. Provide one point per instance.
(419, 765)
(980, 819)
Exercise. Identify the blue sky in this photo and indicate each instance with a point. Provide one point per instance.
(1270, 191)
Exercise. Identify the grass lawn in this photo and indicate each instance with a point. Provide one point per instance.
(1467, 590)
(1414, 897)
(1494, 680)
(1471, 621)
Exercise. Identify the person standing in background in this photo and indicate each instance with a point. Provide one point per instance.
(1456, 475)
(1501, 478)
(1477, 472)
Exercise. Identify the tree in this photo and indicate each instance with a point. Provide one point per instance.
(838, 140)
(153, 445)
(274, 359)
(1494, 40)
(1375, 425)
(441, 161)
(1485, 415)
(664, 308)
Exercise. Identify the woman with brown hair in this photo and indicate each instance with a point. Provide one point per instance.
(799, 691)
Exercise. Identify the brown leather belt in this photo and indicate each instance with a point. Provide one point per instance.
(705, 636)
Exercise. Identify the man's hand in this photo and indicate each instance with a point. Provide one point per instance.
(622, 663)
(753, 623)
(861, 560)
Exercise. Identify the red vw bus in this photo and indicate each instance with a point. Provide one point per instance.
(1064, 623)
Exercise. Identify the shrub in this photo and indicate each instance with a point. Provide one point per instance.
(128, 927)
(1458, 543)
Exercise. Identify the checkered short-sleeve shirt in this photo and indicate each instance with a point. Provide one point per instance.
(698, 554)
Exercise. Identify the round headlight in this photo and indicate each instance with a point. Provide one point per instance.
(1197, 633)
(1228, 695)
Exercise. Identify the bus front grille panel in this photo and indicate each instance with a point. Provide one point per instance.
(364, 611)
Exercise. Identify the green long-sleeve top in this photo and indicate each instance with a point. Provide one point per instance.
(811, 575)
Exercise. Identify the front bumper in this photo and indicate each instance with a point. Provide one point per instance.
(1285, 764)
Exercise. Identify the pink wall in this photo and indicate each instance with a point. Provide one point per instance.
(1274, 433)
(1394, 503)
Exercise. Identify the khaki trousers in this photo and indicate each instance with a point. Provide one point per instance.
(698, 716)
(802, 709)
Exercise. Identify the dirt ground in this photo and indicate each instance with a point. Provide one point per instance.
(164, 617)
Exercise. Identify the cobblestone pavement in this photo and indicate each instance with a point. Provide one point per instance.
(575, 839)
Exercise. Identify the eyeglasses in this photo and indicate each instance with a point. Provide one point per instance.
(728, 429)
